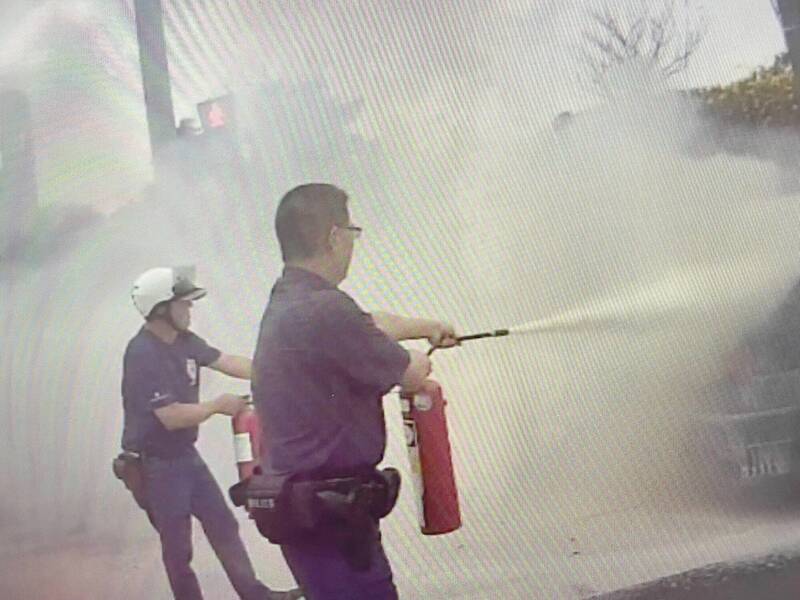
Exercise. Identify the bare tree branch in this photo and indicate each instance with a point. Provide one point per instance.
(655, 36)
(659, 37)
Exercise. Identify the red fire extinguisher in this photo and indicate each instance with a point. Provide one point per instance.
(247, 440)
(431, 463)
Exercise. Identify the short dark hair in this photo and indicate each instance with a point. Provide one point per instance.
(305, 216)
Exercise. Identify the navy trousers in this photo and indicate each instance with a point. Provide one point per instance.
(321, 569)
(177, 489)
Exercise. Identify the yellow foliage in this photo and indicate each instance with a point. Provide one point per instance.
(764, 98)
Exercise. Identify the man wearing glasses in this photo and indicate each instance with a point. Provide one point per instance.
(320, 370)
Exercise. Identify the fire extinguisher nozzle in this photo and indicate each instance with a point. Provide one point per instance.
(485, 334)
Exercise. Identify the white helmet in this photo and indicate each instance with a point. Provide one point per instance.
(164, 284)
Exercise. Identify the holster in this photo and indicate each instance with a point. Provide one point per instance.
(127, 467)
(346, 509)
(269, 504)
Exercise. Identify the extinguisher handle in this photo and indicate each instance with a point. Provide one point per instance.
(433, 348)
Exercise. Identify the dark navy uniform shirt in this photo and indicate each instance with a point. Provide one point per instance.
(320, 370)
(156, 374)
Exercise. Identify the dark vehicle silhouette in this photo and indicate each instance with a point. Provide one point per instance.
(755, 429)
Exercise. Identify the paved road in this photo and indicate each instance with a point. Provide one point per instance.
(753, 553)
(772, 577)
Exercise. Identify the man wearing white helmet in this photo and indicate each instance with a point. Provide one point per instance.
(160, 384)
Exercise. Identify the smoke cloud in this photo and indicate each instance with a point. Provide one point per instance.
(476, 210)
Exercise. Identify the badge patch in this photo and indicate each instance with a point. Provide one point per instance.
(191, 370)
(157, 397)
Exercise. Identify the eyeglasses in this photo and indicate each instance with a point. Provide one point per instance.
(356, 230)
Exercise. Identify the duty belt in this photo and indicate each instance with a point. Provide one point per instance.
(288, 509)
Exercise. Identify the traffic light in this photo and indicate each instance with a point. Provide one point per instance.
(218, 116)
(219, 138)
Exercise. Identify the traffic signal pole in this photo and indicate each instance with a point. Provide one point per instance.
(19, 196)
(155, 78)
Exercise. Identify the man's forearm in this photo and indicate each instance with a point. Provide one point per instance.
(402, 328)
(233, 366)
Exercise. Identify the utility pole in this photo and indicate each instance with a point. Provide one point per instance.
(19, 197)
(789, 14)
(155, 77)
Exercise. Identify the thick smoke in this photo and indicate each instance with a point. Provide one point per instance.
(475, 210)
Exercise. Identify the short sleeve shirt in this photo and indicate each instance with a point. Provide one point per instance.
(156, 374)
(320, 370)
